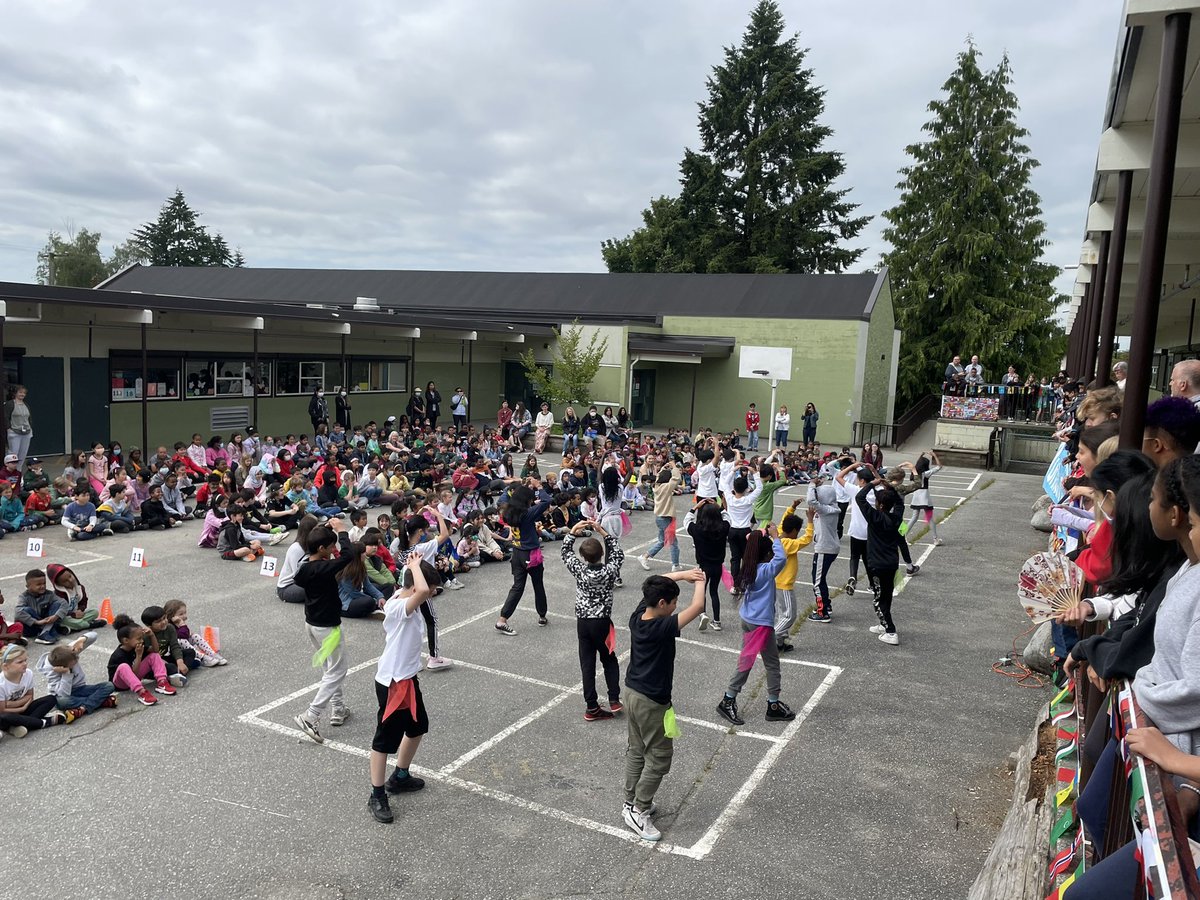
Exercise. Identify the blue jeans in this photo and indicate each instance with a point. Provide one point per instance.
(1065, 637)
(90, 696)
(371, 494)
(7, 526)
(118, 523)
(663, 523)
(752, 439)
(781, 437)
(571, 440)
(358, 603)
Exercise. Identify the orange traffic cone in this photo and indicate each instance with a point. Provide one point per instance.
(106, 612)
(212, 636)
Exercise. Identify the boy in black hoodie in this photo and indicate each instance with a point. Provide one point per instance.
(883, 549)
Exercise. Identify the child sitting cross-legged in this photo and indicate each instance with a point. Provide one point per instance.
(20, 711)
(468, 547)
(68, 685)
(161, 637)
(177, 615)
(232, 542)
(130, 663)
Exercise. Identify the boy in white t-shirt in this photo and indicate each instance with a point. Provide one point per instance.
(402, 719)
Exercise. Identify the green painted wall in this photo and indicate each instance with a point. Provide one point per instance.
(876, 401)
(823, 366)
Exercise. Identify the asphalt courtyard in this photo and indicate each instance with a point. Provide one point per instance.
(889, 783)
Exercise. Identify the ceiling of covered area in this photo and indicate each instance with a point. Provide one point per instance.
(1125, 144)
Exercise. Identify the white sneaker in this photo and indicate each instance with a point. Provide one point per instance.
(438, 662)
(177, 680)
(278, 538)
(209, 662)
(676, 568)
(454, 585)
(18, 731)
(890, 638)
(704, 621)
(640, 823)
(339, 716)
(937, 542)
(474, 564)
(877, 629)
(308, 728)
(643, 562)
(715, 625)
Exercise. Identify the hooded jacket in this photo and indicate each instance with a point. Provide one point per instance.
(53, 572)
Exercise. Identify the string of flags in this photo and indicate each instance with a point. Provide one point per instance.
(1068, 860)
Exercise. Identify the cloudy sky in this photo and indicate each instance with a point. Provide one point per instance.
(488, 135)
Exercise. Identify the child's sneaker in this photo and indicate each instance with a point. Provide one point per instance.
(543, 621)
(715, 625)
(640, 823)
(779, 712)
(308, 728)
(18, 731)
(77, 713)
(403, 785)
(595, 715)
(454, 584)
(209, 662)
(912, 570)
(785, 647)
(616, 706)
(438, 662)
(851, 583)
(338, 717)
(146, 698)
(178, 680)
(380, 809)
(165, 688)
(890, 637)
(643, 562)
(222, 661)
(278, 538)
(704, 622)
(278, 529)
(727, 709)
(68, 716)
(505, 628)
(474, 564)
(877, 629)
(618, 583)
(110, 702)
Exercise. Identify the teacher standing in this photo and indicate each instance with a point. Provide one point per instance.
(458, 409)
(433, 404)
(318, 409)
(20, 424)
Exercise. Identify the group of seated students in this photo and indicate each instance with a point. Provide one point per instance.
(1131, 521)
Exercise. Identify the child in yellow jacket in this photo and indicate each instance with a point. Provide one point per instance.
(785, 602)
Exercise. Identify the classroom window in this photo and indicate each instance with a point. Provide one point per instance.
(220, 378)
(162, 382)
(305, 376)
(377, 375)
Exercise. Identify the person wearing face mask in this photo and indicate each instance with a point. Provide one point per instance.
(416, 409)
(433, 404)
(342, 408)
(318, 409)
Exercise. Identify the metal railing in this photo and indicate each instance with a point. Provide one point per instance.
(871, 433)
(920, 413)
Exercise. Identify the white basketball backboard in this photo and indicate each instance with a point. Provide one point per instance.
(765, 362)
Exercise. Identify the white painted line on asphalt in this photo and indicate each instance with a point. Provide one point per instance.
(512, 729)
(241, 805)
(920, 562)
(74, 565)
(975, 481)
(709, 839)
(733, 732)
(525, 678)
(738, 651)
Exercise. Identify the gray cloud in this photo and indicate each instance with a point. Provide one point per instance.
(507, 135)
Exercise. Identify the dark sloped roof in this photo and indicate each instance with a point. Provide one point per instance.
(518, 297)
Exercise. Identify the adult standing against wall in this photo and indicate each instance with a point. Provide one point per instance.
(810, 419)
(318, 409)
(458, 408)
(783, 422)
(20, 424)
(433, 404)
(342, 407)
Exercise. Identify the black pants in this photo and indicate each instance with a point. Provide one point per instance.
(737, 549)
(842, 507)
(820, 579)
(713, 574)
(883, 604)
(592, 636)
(156, 521)
(460, 422)
(293, 593)
(905, 552)
(31, 718)
(520, 572)
(858, 550)
(431, 628)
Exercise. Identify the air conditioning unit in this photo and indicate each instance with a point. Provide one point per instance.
(228, 418)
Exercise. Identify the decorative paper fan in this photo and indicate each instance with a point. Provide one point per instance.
(1049, 584)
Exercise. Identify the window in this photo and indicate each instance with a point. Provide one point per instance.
(162, 384)
(221, 378)
(377, 375)
(305, 376)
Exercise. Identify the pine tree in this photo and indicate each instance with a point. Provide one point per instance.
(177, 238)
(759, 195)
(967, 235)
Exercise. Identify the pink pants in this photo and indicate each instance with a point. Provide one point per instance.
(126, 679)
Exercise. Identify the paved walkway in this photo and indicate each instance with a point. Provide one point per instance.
(890, 784)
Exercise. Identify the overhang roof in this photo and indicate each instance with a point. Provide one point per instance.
(1125, 145)
(527, 297)
(691, 345)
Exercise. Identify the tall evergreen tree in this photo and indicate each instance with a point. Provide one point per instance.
(176, 238)
(967, 238)
(759, 196)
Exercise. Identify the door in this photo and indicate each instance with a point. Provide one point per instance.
(517, 387)
(90, 396)
(642, 412)
(44, 380)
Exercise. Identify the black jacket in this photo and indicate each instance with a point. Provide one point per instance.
(433, 404)
(318, 409)
(883, 532)
(342, 406)
(1129, 642)
(322, 605)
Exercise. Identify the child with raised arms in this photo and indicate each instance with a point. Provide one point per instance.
(595, 568)
(402, 720)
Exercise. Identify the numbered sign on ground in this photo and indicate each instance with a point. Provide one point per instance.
(268, 567)
(35, 547)
(137, 559)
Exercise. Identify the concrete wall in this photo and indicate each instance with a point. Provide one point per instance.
(879, 361)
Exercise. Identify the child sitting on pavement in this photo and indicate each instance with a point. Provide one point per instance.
(20, 711)
(161, 637)
(177, 615)
(77, 616)
(40, 610)
(68, 685)
(130, 663)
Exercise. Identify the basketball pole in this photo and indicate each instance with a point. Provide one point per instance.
(774, 382)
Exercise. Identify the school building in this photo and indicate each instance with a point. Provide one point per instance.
(157, 353)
